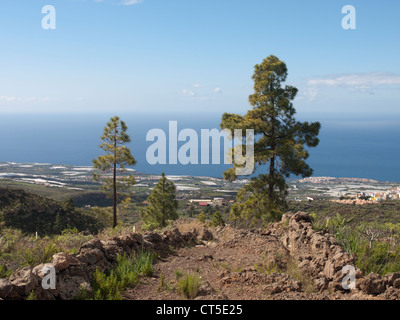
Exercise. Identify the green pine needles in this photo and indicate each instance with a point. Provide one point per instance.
(162, 205)
(280, 143)
(117, 157)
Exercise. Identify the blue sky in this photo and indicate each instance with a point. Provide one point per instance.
(191, 55)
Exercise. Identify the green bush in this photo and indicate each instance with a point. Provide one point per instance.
(108, 286)
(201, 217)
(380, 258)
(37, 254)
(217, 219)
(189, 285)
(4, 273)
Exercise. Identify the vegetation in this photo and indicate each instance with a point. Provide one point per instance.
(363, 231)
(162, 205)
(117, 157)
(189, 285)
(281, 143)
(108, 286)
(18, 250)
(32, 213)
(201, 217)
(217, 220)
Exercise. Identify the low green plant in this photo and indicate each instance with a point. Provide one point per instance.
(189, 285)
(108, 286)
(178, 274)
(201, 217)
(37, 254)
(4, 272)
(164, 284)
(267, 268)
(217, 220)
(32, 296)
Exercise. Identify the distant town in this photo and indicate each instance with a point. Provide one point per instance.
(193, 191)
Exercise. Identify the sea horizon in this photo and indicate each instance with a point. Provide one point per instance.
(351, 146)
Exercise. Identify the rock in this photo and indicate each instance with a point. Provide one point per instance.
(7, 290)
(24, 281)
(126, 241)
(70, 287)
(137, 237)
(86, 289)
(92, 244)
(391, 278)
(174, 236)
(286, 216)
(62, 261)
(205, 289)
(90, 256)
(373, 284)
(321, 283)
(112, 250)
(153, 237)
(275, 289)
(396, 283)
(42, 294)
(302, 216)
(189, 236)
(205, 235)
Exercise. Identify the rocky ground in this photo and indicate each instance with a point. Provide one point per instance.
(287, 260)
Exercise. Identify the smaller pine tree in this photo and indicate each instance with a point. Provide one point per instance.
(217, 220)
(202, 217)
(162, 205)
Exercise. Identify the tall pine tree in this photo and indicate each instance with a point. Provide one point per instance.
(117, 157)
(280, 142)
(162, 205)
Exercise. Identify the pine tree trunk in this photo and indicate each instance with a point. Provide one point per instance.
(115, 185)
(271, 186)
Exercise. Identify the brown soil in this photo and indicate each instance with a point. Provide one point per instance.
(235, 265)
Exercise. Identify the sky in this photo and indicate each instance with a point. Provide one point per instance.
(196, 56)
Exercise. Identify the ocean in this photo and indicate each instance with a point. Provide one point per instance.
(351, 145)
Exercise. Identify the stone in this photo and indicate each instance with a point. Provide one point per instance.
(302, 216)
(174, 236)
(205, 235)
(92, 244)
(24, 280)
(373, 284)
(396, 283)
(70, 287)
(153, 237)
(112, 250)
(62, 261)
(391, 278)
(6, 289)
(90, 256)
(321, 283)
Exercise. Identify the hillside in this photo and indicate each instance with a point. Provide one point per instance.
(32, 213)
(286, 260)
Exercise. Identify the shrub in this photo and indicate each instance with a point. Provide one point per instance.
(202, 217)
(217, 219)
(125, 274)
(4, 273)
(189, 285)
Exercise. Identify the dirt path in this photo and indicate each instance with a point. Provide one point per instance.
(235, 265)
